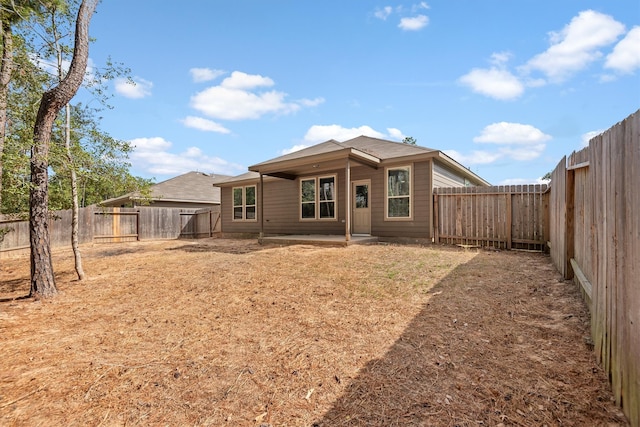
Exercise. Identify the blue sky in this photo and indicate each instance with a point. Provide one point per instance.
(505, 87)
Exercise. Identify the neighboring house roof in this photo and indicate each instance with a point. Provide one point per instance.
(191, 187)
(362, 149)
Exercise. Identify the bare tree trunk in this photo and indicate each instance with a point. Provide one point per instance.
(75, 244)
(75, 213)
(42, 277)
(5, 77)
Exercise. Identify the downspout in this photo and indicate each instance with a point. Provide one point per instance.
(261, 208)
(347, 226)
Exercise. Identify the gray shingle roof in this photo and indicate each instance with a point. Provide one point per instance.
(378, 151)
(379, 148)
(191, 187)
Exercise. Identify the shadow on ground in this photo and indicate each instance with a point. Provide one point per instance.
(14, 287)
(244, 247)
(506, 348)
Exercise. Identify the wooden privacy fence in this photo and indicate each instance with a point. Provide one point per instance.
(506, 217)
(203, 223)
(98, 224)
(595, 239)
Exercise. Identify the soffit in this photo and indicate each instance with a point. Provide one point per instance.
(336, 159)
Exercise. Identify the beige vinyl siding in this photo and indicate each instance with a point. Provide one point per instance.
(282, 206)
(226, 214)
(420, 225)
(282, 209)
(445, 177)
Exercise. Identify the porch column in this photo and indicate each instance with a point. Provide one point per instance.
(261, 207)
(347, 177)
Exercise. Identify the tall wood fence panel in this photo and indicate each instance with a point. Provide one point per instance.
(558, 217)
(108, 225)
(203, 223)
(506, 217)
(116, 225)
(596, 195)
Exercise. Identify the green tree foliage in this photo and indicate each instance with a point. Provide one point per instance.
(409, 140)
(23, 101)
(100, 161)
(12, 12)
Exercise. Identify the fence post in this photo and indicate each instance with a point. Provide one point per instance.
(509, 218)
(436, 226)
(137, 225)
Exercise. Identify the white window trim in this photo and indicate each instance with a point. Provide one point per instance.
(386, 194)
(244, 204)
(316, 180)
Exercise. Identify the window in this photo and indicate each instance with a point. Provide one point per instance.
(399, 192)
(244, 203)
(327, 201)
(308, 198)
(318, 198)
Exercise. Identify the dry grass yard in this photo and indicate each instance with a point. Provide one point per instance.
(231, 333)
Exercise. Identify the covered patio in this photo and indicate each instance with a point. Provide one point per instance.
(329, 156)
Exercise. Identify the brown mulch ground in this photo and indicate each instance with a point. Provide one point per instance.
(228, 332)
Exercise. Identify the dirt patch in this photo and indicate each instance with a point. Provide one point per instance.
(228, 332)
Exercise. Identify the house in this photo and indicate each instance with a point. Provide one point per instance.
(361, 187)
(192, 190)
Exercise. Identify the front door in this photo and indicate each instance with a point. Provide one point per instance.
(361, 207)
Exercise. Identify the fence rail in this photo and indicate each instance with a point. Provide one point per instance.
(103, 225)
(595, 239)
(506, 217)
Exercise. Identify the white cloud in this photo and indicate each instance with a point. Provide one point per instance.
(204, 124)
(238, 98)
(625, 57)
(240, 80)
(511, 133)
(414, 23)
(523, 181)
(149, 144)
(589, 135)
(494, 82)
(571, 50)
(135, 89)
(396, 134)
(475, 158)
(515, 142)
(383, 13)
(205, 74)
(153, 156)
(576, 45)
(419, 6)
(231, 104)
(499, 59)
(311, 102)
(322, 133)
(523, 153)
(294, 149)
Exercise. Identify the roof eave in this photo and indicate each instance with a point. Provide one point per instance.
(460, 168)
(348, 152)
